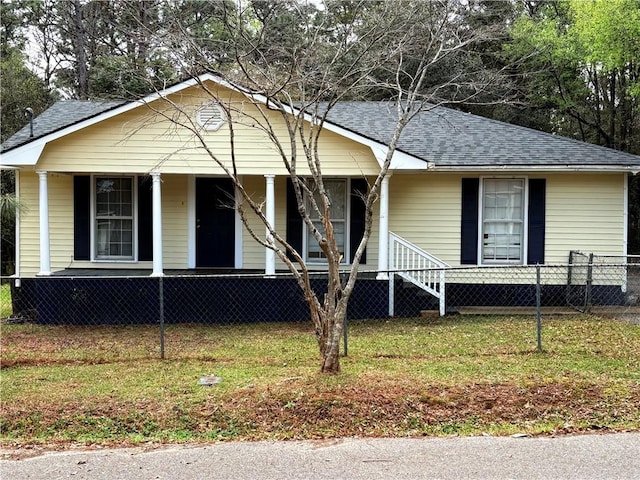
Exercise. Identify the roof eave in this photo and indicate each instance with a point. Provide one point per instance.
(24, 155)
(633, 169)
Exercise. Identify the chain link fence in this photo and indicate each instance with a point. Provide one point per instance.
(157, 307)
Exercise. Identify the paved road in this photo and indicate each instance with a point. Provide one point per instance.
(611, 456)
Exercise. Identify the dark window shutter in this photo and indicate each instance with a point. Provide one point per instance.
(294, 222)
(145, 219)
(82, 217)
(469, 227)
(359, 189)
(537, 200)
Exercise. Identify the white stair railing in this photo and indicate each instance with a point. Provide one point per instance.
(416, 266)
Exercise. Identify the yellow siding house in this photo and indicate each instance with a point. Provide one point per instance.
(122, 186)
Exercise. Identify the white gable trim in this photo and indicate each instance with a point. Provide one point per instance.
(29, 154)
(25, 155)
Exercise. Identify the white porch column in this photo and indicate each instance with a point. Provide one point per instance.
(45, 254)
(270, 255)
(156, 197)
(383, 241)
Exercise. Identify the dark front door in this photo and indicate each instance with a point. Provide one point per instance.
(215, 223)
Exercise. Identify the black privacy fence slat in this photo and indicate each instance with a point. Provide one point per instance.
(593, 285)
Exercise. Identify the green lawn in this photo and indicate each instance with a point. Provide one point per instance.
(402, 377)
(5, 300)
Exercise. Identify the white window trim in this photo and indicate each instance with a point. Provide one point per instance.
(238, 227)
(191, 221)
(525, 219)
(347, 234)
(134, 181)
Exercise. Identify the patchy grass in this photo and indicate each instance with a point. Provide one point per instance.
(5, 300)
(406, 377)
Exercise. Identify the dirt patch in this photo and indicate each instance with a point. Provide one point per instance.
(411, 410)
(310, 411)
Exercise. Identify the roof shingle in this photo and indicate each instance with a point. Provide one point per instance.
(451, 138)
(60, 115)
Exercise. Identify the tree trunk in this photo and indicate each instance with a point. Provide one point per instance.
(612, 109)
(329, 321)
(82, 74)
(330, 349)
(331, 363)
(625, 122)
(598, 106)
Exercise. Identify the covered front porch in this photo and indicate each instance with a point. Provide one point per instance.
(174, 222)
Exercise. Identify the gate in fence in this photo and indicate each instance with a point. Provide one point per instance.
(579, 280)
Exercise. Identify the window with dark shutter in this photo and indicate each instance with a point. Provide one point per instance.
(145, 219)
(359, 188)
(499, 210)
(294, 222)
(336, 190)
(469, 226)
(82, 217)
(537, 212)
(347, 216)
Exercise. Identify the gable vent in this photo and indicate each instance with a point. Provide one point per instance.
(211, 116)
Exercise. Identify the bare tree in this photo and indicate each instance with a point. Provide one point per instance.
(300, 61)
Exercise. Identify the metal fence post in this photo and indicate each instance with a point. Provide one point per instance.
(442, 290)
(391, 294)
(538, 309)
(161, 314)
(587, 293)
(569, 277)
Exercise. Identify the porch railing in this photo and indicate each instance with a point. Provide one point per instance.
(418, 267)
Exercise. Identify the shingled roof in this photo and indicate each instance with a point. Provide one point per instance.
(61, 115)
(451, 138)
(444, 137)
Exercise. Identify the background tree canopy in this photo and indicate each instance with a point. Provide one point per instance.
(575, 64)
(580, 66)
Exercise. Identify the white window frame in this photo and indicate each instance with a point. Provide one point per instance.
(347, 225)
(94, 219)
(525, 222)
